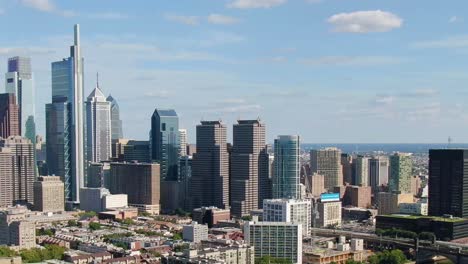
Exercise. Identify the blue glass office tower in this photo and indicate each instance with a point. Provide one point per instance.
(65, 124)
(164, 142)
(286, 181)
(20, 82)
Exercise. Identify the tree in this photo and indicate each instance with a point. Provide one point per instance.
(177, 236)
(388, 257)
(7, 252)
(272, 260)
(247, 218)
(72, 223)
(94, 226)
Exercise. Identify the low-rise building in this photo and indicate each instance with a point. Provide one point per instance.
(413, 208)
(16, 230)
(329, 210)
(210, 215)
(238, 254)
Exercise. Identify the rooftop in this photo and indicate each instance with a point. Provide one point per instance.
(434, 218)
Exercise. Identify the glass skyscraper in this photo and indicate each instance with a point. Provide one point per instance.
(286, 181)
(65, 122)
(20, 81)
(116, 122)
(164, 142)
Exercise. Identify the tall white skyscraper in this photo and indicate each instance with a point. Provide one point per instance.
(183, 142)
(98, 127)
(19, 81)
(64, 122)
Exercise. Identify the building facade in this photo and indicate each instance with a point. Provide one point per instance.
(183, 142)
(378, 171)
(329, 213)
(249, 166)
(49, 195)
(9, 116)
(210, 166)
(116, 122)
(401, 166)
(16, 230)
(6, 178)
(292, 211)
(195, 232)
(327, 162)
(98, 127)
(361, 164)
(286, 180)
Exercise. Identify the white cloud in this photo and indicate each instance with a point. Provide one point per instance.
(187, 20)
(450, 42)
(365, 21)
(455, 19)
(222, 19)
(247, 4)
(109, 16)
(41, 5)
(352, 61)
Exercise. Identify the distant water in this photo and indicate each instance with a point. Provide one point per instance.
(385, 147)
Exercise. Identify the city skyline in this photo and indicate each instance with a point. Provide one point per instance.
(235, 67)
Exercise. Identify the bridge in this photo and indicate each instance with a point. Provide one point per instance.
(424, 250)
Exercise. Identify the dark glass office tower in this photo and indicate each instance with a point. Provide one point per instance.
(448, 182)
(165, 142)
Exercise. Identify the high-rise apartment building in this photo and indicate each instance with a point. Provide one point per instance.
(361, 164)
(49, 195)
(20, 82)
(329, 213)
(210, 166)
(315, 184)
(378, 171)
(286, 180)
(140, 181)
(347, 165)
(448, 181)
(289, 210)
(249, 164)
(23, 168)
(116, 122)
(164, 142)
(183, 142)
(401, 169)
(9, 116)
(65, 128)
(327, 162)
(6, 177)
(98, 127)
(275, 239)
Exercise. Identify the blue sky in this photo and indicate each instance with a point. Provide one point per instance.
(330, 70)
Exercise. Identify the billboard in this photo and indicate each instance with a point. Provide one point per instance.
(330, 197)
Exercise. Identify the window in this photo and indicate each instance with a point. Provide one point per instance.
(163, 126)
(10, 80)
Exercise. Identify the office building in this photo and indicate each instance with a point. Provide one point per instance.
(65, 122)
(91, 199)
(362, 171)
(292, 211)
(191, 149)
(327, 162)
(358, 196)
(137, 150)
(118, 149)
(249, 164)
(210, 166)
(210, 215)
(329, 210)
(114, 201)
(185, 175)
(23, 168)
(195, 232)
(315, 184)
(347, 165)
(275, 239)
(286, 181)
(140, 181)
(98, 175)
(9, 116)
(16, 230)
(49, 195)
(401, 166)
(234, 254)
(448, 193)
(116, 122)
(98, 127)
(20, 82)
(164, 142)
(183, 142)
(388, 203)
(6, 178)
(378, 172)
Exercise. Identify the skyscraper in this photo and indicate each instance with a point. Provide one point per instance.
(401, 169)
(116, 122)
(286, 181)
(65, 124)
(347, 164)
(249, 163)
(327, 162)
(378, 171)
(183, 142)
(164, 142)
(98, 126)
(362, 170)
(210, 166)
(9, 116)
(23, 168)
(6, 180)
(448, 181)
(20, 82)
